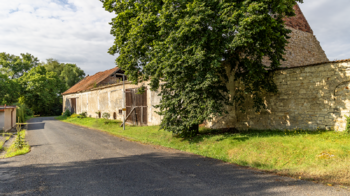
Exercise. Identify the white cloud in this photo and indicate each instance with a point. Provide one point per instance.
(330, 22)
(77, 31)
(72, 31)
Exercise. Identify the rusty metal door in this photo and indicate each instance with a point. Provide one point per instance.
(136, 107)
(73, 105)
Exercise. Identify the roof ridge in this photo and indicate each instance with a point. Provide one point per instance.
(90, 81)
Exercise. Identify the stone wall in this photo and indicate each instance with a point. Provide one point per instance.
(303, 49)
(309, 97)
(109, 99)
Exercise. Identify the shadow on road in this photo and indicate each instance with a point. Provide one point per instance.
(147, 174)
(35, 126)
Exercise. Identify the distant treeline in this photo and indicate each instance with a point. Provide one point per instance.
(38, 85)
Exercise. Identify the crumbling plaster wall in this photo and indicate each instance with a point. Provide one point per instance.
(308, 97)
(110, 99)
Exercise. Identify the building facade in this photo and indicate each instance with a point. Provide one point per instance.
(313, 92)
(103, 93)
(7, 117)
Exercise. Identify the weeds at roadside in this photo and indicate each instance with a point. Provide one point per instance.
(15, 149)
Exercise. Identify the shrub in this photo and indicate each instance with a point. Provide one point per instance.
(22, 112)
(98, 114)
(347, 128)
(83, 115)
(106, 116)
(74, 116)
(19, 142)
(67, 113)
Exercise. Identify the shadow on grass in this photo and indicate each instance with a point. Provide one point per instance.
(245, 135)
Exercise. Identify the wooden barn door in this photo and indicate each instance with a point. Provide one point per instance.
(136, 107)
(73, 105)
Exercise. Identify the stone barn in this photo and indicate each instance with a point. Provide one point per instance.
(103, 93)
(313, 92)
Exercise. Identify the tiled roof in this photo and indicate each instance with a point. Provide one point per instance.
(90, 82)
(298, 21)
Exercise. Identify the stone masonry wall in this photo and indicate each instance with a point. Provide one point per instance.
(309, 97)
(303, 49)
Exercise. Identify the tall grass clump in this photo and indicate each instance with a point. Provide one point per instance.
(23, 112)
(347, 128)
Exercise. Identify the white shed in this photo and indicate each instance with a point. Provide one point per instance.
(7, 117)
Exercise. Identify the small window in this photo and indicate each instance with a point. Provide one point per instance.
(114, 115)
(120, 112)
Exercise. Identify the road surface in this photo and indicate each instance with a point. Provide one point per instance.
(71, 160)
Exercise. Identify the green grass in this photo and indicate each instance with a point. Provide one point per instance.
(322, 156)
(7, 137)
(13, 151)
(1, 144)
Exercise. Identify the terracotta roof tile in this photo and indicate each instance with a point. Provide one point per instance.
(90, 81)
(298, 21)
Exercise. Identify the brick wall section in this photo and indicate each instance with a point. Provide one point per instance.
(298, 21)
(303, 49)
(308, 97)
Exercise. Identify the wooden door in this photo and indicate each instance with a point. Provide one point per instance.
(73, 105)
(136, 107)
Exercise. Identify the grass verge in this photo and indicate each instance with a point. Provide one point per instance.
(320, 156)
(13, 150)
(1, 144)
(7, 136)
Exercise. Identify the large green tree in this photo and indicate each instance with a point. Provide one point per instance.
(69, 74)
(16, 66)
(41, 91)
(9, 90)
(195, 47)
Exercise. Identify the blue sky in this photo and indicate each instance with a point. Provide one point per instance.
(77, 31)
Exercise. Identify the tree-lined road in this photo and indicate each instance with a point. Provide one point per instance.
(71, 160)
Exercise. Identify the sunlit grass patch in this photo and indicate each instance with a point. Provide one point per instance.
(1, 145)
(14, 150)
(313, 155)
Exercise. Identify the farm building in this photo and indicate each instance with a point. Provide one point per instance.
(313, 92)
(103, 93)
(7, 117)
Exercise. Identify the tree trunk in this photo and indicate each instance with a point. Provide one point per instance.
(194, 129)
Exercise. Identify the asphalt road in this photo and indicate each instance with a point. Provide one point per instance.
(71, 160)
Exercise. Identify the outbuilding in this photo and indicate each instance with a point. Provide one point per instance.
(7, 117)
(103, 93)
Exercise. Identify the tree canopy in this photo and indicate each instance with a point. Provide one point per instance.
(195, 46)
(9, 90)
(16, 66)
(41, 91)
(69, 73)
(23, 80)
